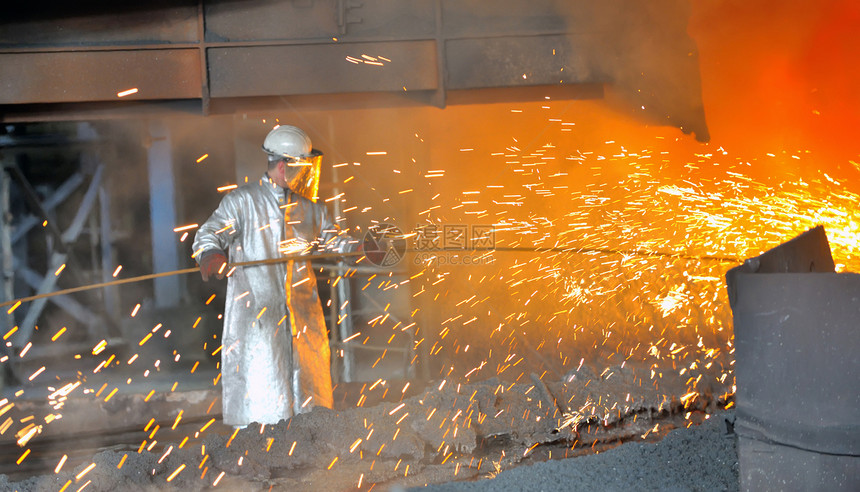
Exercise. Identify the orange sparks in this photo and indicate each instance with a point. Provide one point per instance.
(60, 270)
(37, 373)
(26, 452)
(85, 471)
(61, 463)
(127, 92)
(176, 472)
(10, 332)
(351, 337)
(25, 349)
(227, 188)
(229, 441)
(108, 397)
(100, 347)
(202, 158)
(58, 334)
(215, 483)
(121, 461)
(116, 272)
(185, 227)
(689, 396)
(13, 308)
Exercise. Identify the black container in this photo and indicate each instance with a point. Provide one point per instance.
(797, 338)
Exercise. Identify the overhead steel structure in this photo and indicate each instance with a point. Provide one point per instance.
(69, 60)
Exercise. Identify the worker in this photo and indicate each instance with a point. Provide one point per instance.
(275, 356)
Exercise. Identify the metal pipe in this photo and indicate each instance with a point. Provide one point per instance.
(151, 276)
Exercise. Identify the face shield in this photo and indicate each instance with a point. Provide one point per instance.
(303, 174)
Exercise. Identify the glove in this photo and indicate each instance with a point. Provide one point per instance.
(212, 263)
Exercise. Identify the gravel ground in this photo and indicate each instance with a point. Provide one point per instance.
(451, 431)
(701, 457)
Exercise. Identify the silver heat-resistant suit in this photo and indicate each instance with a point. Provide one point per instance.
(275, 351)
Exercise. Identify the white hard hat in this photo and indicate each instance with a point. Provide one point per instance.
(288, 141)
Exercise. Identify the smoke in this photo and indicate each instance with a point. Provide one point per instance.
(780, 76)
(546, 174)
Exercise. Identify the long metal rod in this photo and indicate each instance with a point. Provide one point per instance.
(150, 276)
(59, 258)
(7, 273)
(322, 256)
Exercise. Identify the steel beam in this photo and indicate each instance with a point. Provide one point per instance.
(93, 322)
(7, 272)
(59, 196)
(183, 54)
(85, 76)
(34, 203)
(97, 23)
(162, 208)
(111, 294)
(57, 259)
(7, 277)
(321, 68)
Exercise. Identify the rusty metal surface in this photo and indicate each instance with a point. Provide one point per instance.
(85, 54)
(321, 68)
(99, 75)
(97, 23)
(470, 18)
(319, 20)
(512, 61)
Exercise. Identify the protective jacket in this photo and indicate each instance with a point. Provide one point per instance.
(275, 356)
